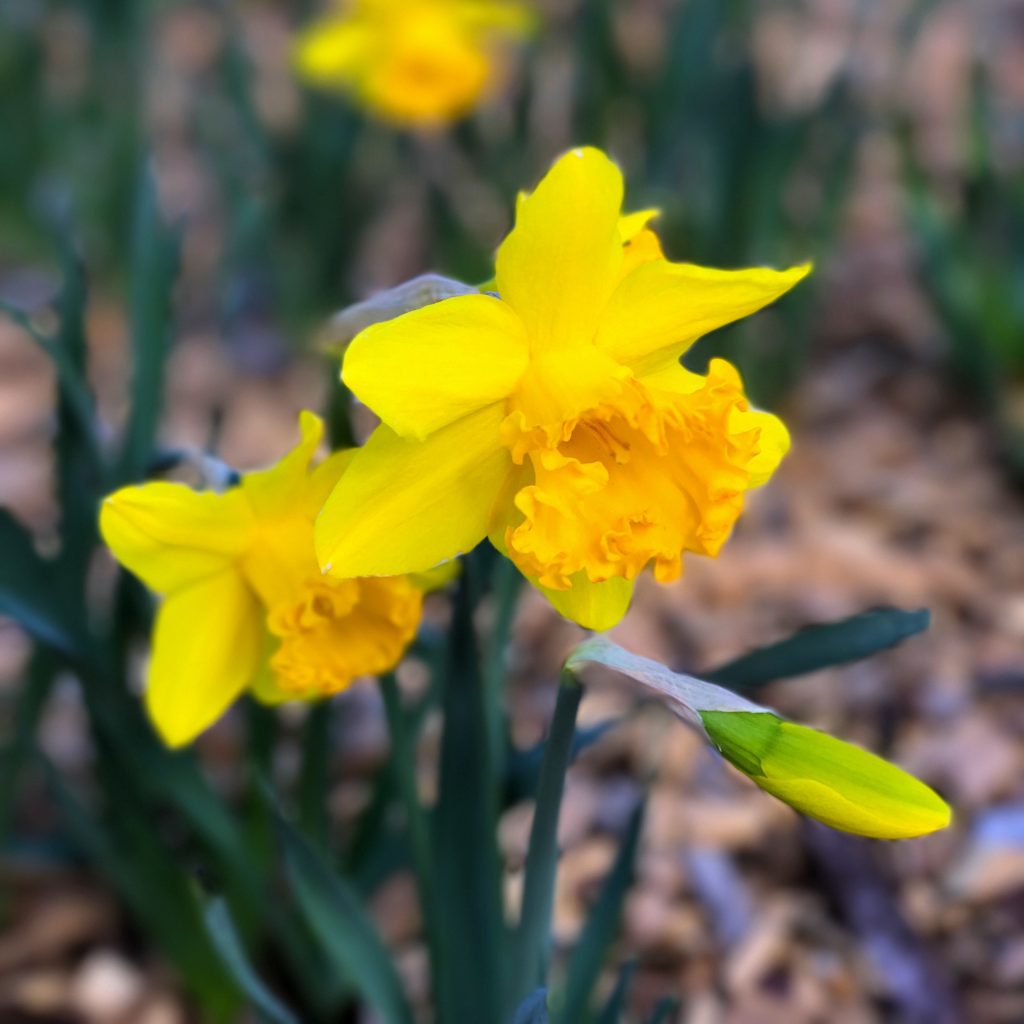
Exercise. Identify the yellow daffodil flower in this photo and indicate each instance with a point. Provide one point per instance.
(246, 605)
(413, 62)
(554, 416)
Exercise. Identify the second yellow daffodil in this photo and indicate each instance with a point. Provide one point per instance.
(412, 62)
(554, 416)
(246, 605)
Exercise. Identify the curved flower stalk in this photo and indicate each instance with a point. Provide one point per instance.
(246, 605)
(412, 62)
(833, 782)
(554, 416)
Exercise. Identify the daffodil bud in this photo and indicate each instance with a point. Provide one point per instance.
(834, 782)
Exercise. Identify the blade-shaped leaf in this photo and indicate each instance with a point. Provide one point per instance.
(819, 647)
(155, 888)
(600, 929)
(31, 592)
(532, 937)
(533, 1009)
(221, 930)
(155, 252)
(616, 1005)
(466, 863)
(337, 918)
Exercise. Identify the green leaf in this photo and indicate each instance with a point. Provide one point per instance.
(600, 929)
(819, 647)
(616, 1005)
(80, 470)
(31, 590)
(127, 850)
(836, 783)
(336, 916)
(403, 760)
(69, 377)
(533, 936)
(221, 930)
(314, 772)
(533, 1009)
(155, 253)
(467, 864)
(30, 702)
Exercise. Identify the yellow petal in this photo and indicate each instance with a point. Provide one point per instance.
(334, 51)
(207, 647)
(438, 577)
(505, 18)
(323, 478)
(430, 68)
(430, 367)
(661, 308)
(631, 224)
(559, 264)
(773, 437)
(273, 492)
(171, 536)
(773, 441)
(596, 606)
(264, 685)
(405, 506)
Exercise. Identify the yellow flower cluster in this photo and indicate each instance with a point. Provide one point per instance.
(411, 62)
(550, 414)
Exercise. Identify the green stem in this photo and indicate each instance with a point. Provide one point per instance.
(314, 774)
(403, 760)
(505, 589)
(533, 934)
(468, 866)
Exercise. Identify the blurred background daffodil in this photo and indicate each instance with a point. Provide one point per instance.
(412, 62)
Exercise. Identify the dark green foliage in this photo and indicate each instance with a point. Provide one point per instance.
(467, 863)
(591, 949)
(818, 647)
(228, 944)
(334, 913)
(970, 248)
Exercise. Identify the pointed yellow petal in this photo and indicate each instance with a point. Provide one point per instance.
(323, 478)
(631, 224)
(559, 264)
(207, 647)
(596, 606)
(661, 308)
(171, 536)
(273, 492)
(405, 506)
(430, 367)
